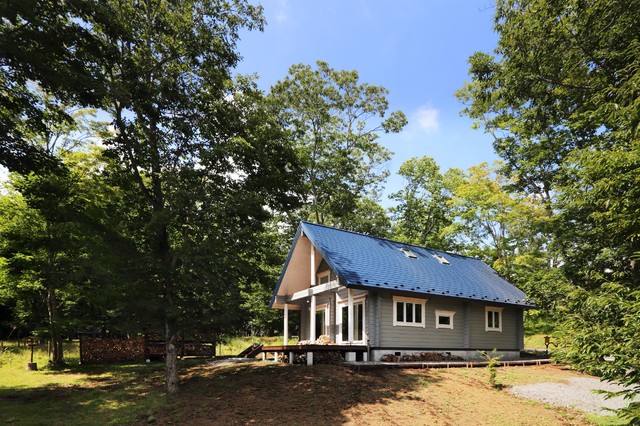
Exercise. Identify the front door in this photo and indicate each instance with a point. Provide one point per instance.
(358, 322)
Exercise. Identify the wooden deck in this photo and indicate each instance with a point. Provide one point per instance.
(315, 348)
(380, 365)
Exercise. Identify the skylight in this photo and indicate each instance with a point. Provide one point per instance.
(441, 259)
(407, 252)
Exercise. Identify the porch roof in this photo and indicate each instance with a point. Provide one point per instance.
(366, 262)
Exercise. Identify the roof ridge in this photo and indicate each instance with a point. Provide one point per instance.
(387, 239)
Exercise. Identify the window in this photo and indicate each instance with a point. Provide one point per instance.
(326, 277)
(358, 321)
(410, 254)
(321, 320)
(444, 319)
(408, 312)
(493, 318)
(441, 259)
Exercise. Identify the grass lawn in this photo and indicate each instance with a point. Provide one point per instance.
(266, 392)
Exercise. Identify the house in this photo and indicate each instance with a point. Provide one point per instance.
(379, 297)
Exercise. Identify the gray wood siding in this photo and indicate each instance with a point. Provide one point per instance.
(430, 337)
(481, 339)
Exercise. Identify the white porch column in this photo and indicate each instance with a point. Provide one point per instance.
(350, 356)
(350, 315)
(312, 319)
(312, 308)
(312, 278)
(286, 324)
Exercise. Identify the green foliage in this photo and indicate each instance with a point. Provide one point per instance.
(46, 43)
(422, 213)
(335, 121)
(602, 337)
(200, 158)
(560, 97)
(493, 362)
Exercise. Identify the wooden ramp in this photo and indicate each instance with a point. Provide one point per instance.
(251, 352)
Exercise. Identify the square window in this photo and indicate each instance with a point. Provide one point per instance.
(408, 311)
(493, 318)
(444, 319)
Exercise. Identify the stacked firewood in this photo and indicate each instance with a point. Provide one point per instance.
(423, 356)
(323, 340)
(95, 350)
(327, 358)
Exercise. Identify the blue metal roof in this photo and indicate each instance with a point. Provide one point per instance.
(368, 262)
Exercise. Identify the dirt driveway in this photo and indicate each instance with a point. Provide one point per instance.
(578, 393)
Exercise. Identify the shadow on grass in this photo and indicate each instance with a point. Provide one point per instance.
(114, 394)
(276, 393)
(255, 392)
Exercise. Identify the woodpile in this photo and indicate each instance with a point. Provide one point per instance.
(423, 356)
(327, 358)
(298, 358)
(323, 340)
(97, 350)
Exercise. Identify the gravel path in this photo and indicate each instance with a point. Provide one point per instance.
(577, 393)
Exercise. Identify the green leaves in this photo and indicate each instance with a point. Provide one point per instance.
(335, 121)
(422, 212)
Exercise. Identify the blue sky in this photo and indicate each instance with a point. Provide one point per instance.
(418, 49)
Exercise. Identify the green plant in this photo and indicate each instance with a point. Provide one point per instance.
(493, 361)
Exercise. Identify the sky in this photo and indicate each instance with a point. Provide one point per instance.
(418, 49)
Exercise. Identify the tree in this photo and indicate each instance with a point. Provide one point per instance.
(49, 216)
(336, 121)
(46, 42)
(507, 230)
(422, 212)
(200, 158)
(561, 101)
(52, 241)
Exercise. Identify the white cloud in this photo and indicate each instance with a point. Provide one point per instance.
(426, 119)
(282, 11)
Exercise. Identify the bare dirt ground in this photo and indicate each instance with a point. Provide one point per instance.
(269, 393)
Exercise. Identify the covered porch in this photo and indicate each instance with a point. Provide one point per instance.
(360, 352)
(332, 316)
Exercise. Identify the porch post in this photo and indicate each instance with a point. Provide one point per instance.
(350, 314)
(312, 309)
(312, 278)
(312, 320)
(350, 356)
(286, 324)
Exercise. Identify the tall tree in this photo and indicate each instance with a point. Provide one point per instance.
(561, 99)
(52, 240)
(336, 121)
(199, 156)
(46, 42)
(422, 213)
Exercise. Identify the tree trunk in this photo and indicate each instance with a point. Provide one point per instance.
(55, 335)
(171, 362)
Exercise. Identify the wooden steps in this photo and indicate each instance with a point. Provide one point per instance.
(251, 352)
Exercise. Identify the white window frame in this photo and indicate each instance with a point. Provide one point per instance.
(448, 314)
(497, 310)
(324, 308)
(421, 302)
(343, 304)
(323, 274)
